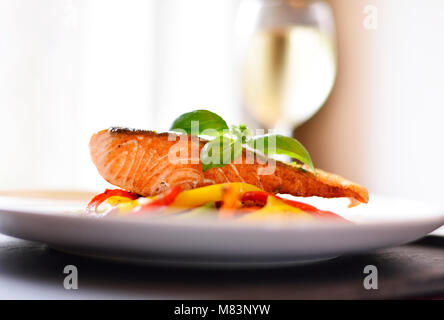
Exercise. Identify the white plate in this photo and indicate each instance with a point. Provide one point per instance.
(439, 232)
(385, 222)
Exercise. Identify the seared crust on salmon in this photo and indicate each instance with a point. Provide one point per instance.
(140, 161)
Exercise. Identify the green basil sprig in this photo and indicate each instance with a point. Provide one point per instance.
(207, 120)
(228, 142)
(282, 145)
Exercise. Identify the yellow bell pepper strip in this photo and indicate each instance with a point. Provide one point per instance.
(249, 209)
(118, 204)
(276, 209)
(143, 204)
(197, 197)
(262, 196)
(126, 207)
(117, 200)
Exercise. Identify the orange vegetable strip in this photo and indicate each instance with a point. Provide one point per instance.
(230, 202)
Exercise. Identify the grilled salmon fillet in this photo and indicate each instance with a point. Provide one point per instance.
(139, 161)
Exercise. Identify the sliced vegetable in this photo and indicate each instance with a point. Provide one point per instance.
(276, 209)
(206, 211)
(262, 196)
(123, 207)
(240, 200)
(256, 196)
(213, 193)
(313, 210)
(248, 209)
(98, 199)
(117, 200)
(230, 201)
(163, 200)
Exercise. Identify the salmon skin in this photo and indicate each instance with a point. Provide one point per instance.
(138, 161)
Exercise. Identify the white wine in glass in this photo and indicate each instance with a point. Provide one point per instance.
(288, 65)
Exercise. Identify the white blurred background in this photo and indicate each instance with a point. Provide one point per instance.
(69, 68)
(72, 67)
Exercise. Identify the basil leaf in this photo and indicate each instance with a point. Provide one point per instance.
(206, 120)
(279, 144)
(220, 152)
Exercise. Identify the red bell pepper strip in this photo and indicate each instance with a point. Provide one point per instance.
(261, 197)
(100, 198)
(312, 210)
(163, 200)
(256, 196)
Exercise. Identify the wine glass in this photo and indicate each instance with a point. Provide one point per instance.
(287, 59)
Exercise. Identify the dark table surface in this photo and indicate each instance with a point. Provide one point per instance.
(33, 271)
